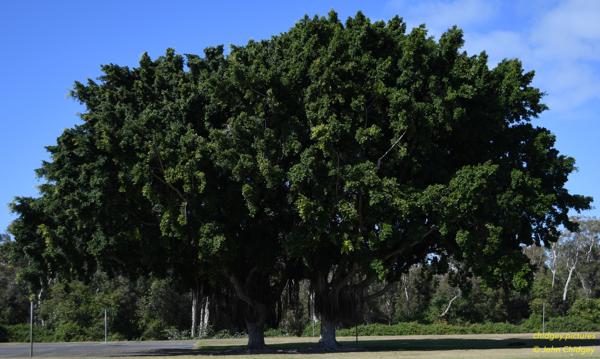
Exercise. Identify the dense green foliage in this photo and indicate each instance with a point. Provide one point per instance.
(342, 154)
(14, 295)
(560, 324)
(74, 311)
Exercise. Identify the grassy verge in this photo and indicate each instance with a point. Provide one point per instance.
(434, 346)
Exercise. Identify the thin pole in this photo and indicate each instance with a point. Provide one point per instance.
(355, 317)
(105, 326)
(544, 317)
(31, 328)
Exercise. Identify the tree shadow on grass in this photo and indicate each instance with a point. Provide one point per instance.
(376, 345)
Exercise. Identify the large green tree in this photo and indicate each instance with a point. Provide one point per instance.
(164, 163)
(342, 153)
(414, 148)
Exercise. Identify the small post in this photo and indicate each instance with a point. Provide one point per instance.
(105, 326)
(30, 327)
(355, 317)
(544, 317)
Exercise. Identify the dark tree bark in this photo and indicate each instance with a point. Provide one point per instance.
(256, 328)
(328, 337)
(255, 313)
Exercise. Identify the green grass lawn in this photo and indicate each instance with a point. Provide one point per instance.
(429, 346)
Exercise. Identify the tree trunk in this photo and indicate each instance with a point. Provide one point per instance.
(194, 311)
(256, 337)
(39, 305)
(553, 264)
(566, 289)
(587, 290)
(328, 334)
(204, 317)
(571, 269)
(256, 312)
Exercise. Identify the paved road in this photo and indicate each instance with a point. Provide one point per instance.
(149, 348)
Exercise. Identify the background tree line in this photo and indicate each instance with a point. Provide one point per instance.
(337, 155)
(154, 308)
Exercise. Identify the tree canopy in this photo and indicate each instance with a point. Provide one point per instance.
(342, 153)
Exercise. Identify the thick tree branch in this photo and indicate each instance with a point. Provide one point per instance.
(168, 185)
(239, 290)
(402, 248)
(366, 282)
(340, 283)
(450, 303)
(589, 252)
(389, 149)
(162, 168)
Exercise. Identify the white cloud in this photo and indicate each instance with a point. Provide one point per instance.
(570, 31)
(440, 15)
(565, 46)
(569, 84)
(498, 45)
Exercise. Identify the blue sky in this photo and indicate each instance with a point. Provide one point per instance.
(46, 45)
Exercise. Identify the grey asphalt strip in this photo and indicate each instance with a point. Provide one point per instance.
(110, 349)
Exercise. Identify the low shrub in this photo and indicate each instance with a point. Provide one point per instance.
(226, 334)
(414, 328)
(308, 329)
(586, 308)
(569, 323)
(176, 334)
(70, 332)
(533, 324)
(19, 333)
(276, 332)
(572, 323)
(153, 330)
